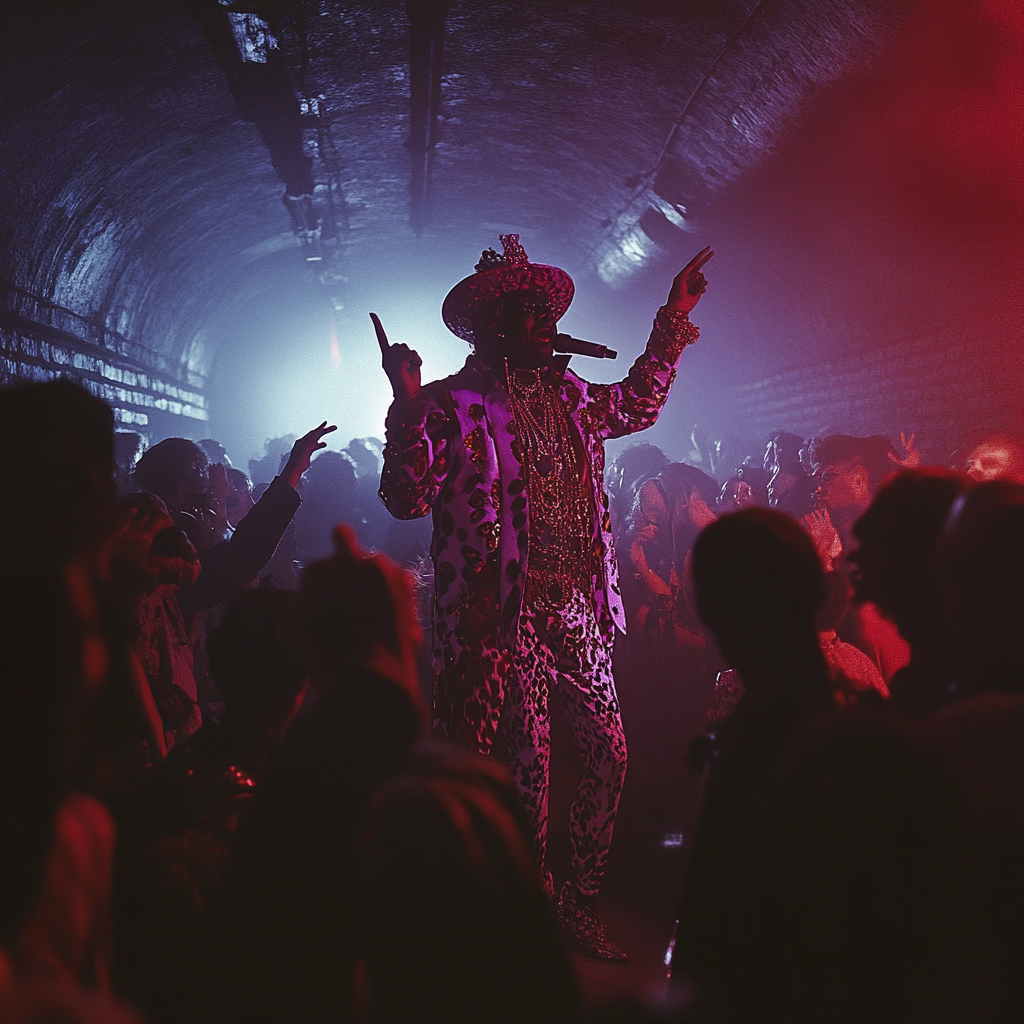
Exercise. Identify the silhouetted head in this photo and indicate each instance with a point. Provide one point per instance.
(997, 457)
(149, 550)
(759, 584)
(850, 470)
(358, 610)
(459, 927)
(215, 451)
(898, 539)
(57, 651)
(981, 567)
(240, 500)
(631, 467)
(177, 470)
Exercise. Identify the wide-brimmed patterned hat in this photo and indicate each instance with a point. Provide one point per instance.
(498, 275)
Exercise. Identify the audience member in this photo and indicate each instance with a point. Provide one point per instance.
(288, 941)
(850, 470)
(790, 487)
(746, 488)
(869, 893)
(177, 835)
(150, 559)
(329, 496)
(239, 499)
(854, 674)
(759, 584)
(128, 446)
(894, 568)
(981, 562)
(61, 667)
(177, 471)
(275, 454)
(215, 452)
(996, 456)
(668, 513)
(458, 926)
(630, 468)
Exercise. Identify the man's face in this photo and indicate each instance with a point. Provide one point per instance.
(843, 486)
(529, 328)
(990, 461)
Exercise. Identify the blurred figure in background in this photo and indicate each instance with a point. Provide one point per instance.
(285, 948)
(458, 926)
(669, 672)
(894, 567)
(329, 496)
(759, 585)
(62, 672)
(128, 446)
(849, 472)
(622, 479)
(239, 499)
(981, 566)
(177, 833)
(746, 488)
(996, 456)
(790, 486)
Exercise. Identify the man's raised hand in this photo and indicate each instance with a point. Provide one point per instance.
(302, 452)
(689, 283)
(401, 364)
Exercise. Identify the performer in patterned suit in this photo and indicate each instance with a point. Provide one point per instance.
(508, 456)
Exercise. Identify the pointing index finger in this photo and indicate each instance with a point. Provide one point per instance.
(382, 338)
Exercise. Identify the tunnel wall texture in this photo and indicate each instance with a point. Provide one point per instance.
(122, 228)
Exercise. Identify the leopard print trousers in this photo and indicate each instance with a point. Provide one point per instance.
(563, 655)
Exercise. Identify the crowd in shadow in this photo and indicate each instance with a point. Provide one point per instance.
(220, 801)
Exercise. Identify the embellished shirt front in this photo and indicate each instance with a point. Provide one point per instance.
(561, 524)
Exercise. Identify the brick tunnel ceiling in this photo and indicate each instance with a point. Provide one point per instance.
(147, 145)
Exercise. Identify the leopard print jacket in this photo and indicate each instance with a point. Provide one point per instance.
(452, 453)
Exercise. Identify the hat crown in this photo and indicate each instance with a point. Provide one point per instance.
(514, 255)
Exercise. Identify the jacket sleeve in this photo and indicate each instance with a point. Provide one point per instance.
(230, 565)
(415, 457)
(634, 403)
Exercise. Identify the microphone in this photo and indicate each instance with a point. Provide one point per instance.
(567, 343)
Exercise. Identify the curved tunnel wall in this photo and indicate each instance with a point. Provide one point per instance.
(141, 211)
(123, 228)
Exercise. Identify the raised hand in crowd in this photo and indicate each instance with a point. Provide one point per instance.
(302, 452)
(911, 455)
(825, 536)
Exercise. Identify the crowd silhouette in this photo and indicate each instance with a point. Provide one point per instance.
(220, 801)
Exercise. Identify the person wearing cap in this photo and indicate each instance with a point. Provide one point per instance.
(508, 457)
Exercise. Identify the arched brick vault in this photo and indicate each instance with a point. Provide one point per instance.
(143, 163)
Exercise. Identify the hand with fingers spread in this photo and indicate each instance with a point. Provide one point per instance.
(912, 456)
(302, 452)
(401, 364)
(689, 284)
(825, 536)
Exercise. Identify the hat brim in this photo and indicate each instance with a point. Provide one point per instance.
(462, 304)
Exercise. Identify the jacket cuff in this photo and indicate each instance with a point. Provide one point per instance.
(672, 333)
